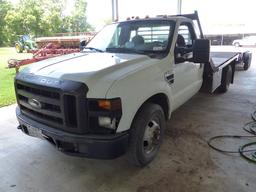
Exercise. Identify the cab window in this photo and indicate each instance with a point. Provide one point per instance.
(184, 43)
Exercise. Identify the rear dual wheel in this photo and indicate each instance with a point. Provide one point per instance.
(146, 134)
(246, 66)
(226, 79)
(247, 60)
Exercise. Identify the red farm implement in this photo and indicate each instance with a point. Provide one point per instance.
(51, 47)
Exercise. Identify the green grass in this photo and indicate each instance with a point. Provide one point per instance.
(7, 95)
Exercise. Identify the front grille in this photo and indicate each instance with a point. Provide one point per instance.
(50, 111)
(60, 107)
(39, 91)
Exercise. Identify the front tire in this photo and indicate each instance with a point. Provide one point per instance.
(146, 134)
(18, 48)
(226, 79)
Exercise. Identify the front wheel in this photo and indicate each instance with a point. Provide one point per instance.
(225, 79)
(146, 134)
(18, 48)
(237, 44)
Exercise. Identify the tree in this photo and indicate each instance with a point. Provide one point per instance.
(40, 18)
(26, 18)
(78, 17)
(53, 15)
(4, 8)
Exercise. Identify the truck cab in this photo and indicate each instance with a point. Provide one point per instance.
(115, 96)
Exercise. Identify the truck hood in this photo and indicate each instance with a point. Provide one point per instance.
(97, 70)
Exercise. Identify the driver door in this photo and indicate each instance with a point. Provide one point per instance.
(187, 74)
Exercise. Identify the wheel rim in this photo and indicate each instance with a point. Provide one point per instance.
(151, 137)
(17, 47)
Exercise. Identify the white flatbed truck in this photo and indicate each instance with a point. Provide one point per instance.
(115, 96)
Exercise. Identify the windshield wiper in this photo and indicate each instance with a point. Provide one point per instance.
(125, 50)
(93, 48)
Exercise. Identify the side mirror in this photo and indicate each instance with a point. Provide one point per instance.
(82, 44)
(201, 51)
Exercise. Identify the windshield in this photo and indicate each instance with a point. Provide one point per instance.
(145, 36)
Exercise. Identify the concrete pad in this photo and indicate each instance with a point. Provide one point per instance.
(184, 163)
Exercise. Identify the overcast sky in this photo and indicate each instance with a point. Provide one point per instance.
(214, 14)
(211, 12)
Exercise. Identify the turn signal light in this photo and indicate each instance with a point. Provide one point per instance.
(112, 104)
(105, 104)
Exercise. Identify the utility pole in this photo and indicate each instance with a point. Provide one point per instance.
(179, 6)
(114, 10)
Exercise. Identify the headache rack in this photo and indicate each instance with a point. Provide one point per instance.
(193, 16)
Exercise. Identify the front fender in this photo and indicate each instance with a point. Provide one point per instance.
(135, 90)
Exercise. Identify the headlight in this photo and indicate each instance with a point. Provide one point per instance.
(104, 114)
(107, 122)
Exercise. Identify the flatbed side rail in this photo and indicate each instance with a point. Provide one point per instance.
(224, 64)
(213, 72)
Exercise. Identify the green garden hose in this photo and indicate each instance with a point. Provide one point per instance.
(252, 156)
(248, 154)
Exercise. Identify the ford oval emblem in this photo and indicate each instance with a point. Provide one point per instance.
(34, 103)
